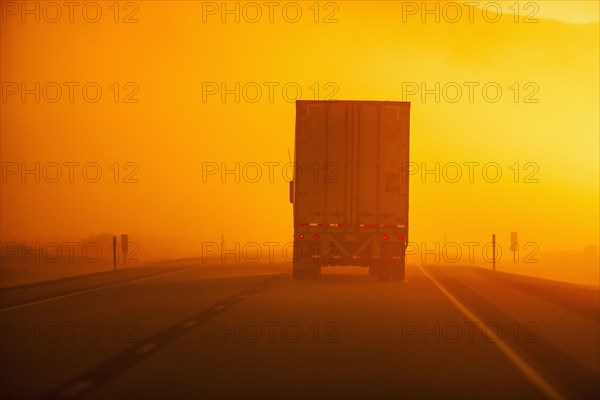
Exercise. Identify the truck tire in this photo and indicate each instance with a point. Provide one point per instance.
(372, 270)
(298, 271)
(384, 272)
(399, 272)
(306, 270)
(313, 272)
(298, 275)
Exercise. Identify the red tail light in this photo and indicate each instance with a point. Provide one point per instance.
(385, 237)
(301, 236)
(316, 236)
(400, 238)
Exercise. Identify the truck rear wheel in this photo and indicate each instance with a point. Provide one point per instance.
(298, 273)
(384, 272)
(306, 270)
(399, 271)
(313, 272)
(372, 270)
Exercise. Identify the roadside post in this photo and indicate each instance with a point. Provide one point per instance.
(115, 253)
(493, 251)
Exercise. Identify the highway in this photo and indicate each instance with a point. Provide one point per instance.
(192, 330)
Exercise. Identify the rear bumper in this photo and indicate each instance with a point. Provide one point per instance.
(364, 249)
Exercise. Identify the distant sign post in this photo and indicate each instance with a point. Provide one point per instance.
(494, 252)
(514, 245)
(124, 246)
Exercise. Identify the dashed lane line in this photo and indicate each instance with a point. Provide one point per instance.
(114, 366)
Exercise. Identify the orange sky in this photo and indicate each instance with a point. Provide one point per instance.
(369, 53)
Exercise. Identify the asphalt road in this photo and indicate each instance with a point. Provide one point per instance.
(186, 330)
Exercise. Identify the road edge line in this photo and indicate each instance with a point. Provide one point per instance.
(527, 370)
(111, 285)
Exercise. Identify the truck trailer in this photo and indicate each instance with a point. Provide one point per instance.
(350, 186)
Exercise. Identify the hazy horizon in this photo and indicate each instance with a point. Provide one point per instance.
(158, 145)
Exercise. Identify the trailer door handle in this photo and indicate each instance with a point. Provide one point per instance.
(292, 191)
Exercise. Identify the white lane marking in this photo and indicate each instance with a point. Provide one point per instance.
(75, 389)
(191, 323)
(145, 348)
(94, 289)
(522, 365)
(220, 307)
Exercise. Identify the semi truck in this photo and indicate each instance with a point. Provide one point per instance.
(350, 186)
